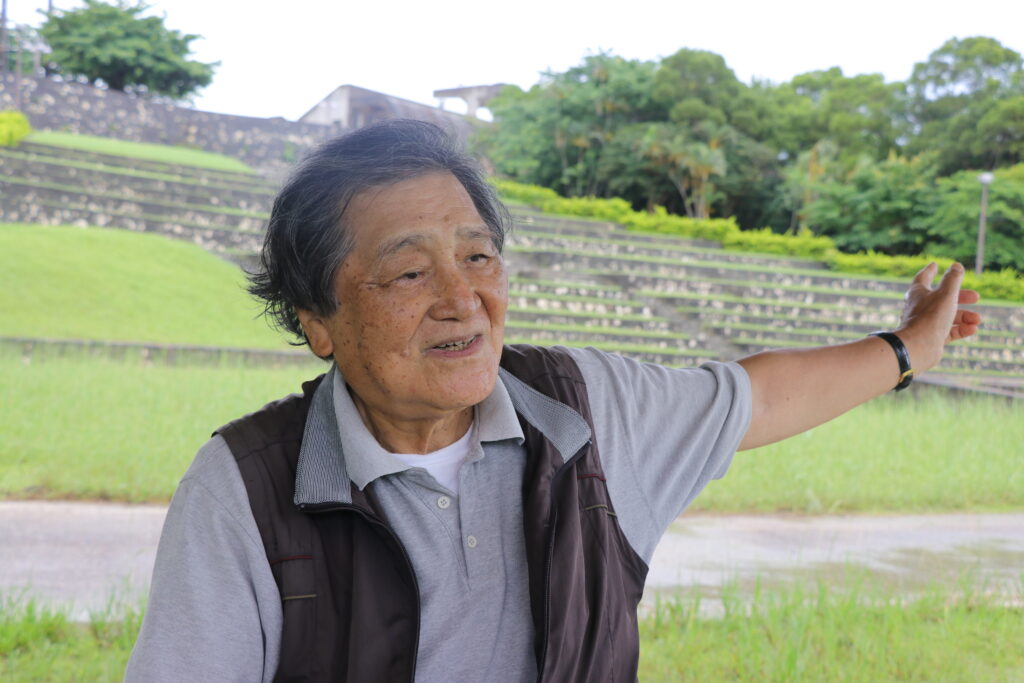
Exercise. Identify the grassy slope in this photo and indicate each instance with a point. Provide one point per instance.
(183, 156)
(109, 284)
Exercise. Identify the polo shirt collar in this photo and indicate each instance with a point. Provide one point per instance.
(338, 450)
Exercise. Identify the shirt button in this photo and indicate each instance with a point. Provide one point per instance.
(471, 541)
(443, 502)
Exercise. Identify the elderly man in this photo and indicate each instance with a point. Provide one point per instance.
(440, 506)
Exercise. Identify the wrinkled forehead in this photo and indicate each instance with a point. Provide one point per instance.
(384, 219)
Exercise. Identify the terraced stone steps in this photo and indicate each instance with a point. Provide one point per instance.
(574, 281)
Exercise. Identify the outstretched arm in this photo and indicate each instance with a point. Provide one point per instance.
(797, 389)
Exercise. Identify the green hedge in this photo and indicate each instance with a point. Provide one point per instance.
(1005, 285)
(13, 127)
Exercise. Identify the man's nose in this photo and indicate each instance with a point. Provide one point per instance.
(456, 298)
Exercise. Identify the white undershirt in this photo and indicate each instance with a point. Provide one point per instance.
(444, 464)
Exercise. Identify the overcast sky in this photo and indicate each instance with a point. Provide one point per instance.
(281, 58)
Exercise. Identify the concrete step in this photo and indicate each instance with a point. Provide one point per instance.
(672, 251)
(88, 180)
(952, 360)
(590, 319)
(219, 240)
(197, 172)
(557, 226)
(525, 217)
(47, 196)
(628, 270)
(645, 353)
(991, 334)
(785, 337)
(873, 318)
(555, 303)
(571, 289)
(562, 334)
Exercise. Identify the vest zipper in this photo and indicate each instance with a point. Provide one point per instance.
(549, 560)
(318, 508)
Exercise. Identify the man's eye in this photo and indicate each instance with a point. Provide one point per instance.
(479, 258)
(410, 276)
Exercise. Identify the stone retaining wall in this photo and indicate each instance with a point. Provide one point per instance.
(54, 105)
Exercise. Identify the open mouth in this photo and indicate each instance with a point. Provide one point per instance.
(457, 345)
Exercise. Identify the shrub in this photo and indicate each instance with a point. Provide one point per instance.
(13, 127)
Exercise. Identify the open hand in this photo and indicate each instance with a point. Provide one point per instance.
(932, 317)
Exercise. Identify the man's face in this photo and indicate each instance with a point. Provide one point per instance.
(422, 296)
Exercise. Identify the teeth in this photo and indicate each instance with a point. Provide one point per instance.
(455, 346)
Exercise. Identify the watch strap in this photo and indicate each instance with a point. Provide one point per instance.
(902, 355)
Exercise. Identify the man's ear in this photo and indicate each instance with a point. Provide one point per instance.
(317, 333)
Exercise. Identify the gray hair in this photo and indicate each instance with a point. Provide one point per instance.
(307, 239)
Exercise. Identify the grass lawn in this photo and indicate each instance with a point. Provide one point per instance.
(103, 429)
(896, 454)
(835, 634)
(41, 644)
(183, 156)
(792, 634)
(73, 283)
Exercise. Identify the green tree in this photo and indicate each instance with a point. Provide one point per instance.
(1001, 132)
(115, 44)
(561, 132)
(688, 163)
(953, 225)
(885, 207)
(858, 113)
(952, 92)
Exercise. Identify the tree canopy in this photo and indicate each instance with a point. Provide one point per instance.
(115, 44)
(876, 165)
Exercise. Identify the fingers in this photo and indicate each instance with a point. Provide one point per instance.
(968, 318)
(962, 331)
(968, 296)
(925, 276)
(952, 279)
(965, 324)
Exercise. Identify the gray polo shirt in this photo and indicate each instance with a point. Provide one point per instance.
(215, 612)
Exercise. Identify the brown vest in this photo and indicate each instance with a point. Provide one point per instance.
(350, 599)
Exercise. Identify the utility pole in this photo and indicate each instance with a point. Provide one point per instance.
(3, 37)
(979, 256)
(17, 78)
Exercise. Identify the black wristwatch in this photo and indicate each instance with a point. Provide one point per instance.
(906, 372)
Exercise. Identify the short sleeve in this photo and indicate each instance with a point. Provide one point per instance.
(214, 608)
(663, 434)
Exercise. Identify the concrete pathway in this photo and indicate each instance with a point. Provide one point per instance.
(82, 554)
(908, 551)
